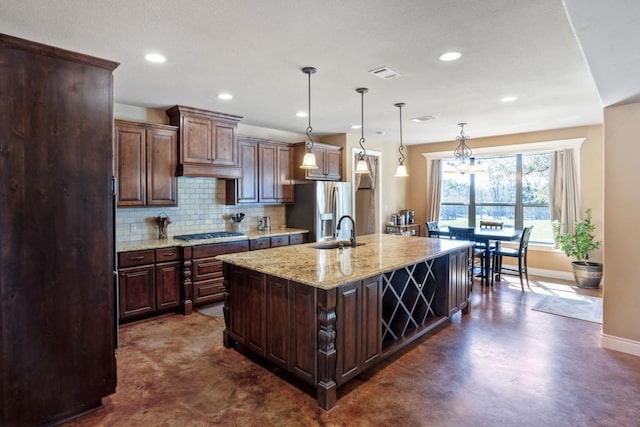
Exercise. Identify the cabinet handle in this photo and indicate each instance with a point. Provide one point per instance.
(168, 254)
(137, 258)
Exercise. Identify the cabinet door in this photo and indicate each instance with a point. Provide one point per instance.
(137, 296)
(256, 328)
(247, 186)
(131, 171)
(349, 334)
(278, 320)
(162, 153)
(371, 320)
(268, 178)
(304, 327)
(284, 185)
(224, 144)
(332, 163)
(196, 140)
(167, 285)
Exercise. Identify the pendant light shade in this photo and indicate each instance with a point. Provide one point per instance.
(361, 166)
(401, 171)
(309, 159)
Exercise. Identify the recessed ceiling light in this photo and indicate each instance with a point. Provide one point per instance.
(423, 118)
(155, 57)
(225, 95)
(509, 98)
(381, 132)
(355, 126)
(301, 114)
(450, 56)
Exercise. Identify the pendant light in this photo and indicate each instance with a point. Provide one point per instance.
(401, 171)
(465, 162)
(309, 159)
(361, 166)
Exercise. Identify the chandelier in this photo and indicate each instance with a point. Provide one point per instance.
(464, 161)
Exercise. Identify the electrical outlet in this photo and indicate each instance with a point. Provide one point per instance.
(133, 228)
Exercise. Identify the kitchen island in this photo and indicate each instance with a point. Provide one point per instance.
(326, 315)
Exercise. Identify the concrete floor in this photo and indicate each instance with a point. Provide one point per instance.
(502, 365)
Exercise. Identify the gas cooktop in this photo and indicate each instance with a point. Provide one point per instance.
(210, 235)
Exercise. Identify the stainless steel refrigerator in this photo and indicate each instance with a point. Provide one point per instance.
(318, 207)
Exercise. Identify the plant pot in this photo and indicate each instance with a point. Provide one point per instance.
(587, 274)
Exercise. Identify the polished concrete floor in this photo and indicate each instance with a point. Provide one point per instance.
(502, 365)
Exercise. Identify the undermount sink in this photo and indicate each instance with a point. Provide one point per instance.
(335, 244)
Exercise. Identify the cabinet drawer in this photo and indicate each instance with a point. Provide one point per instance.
(261, 243)
(134, 258)
(167, 254)
(206, 268)
(203, 251)
(279, 241)
(208, 291)
(296, 239)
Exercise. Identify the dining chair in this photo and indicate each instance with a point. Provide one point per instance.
(432, 226)
(479, 251)
(520, 253)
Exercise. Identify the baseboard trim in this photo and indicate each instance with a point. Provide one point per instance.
(552, 274)
(622, 345)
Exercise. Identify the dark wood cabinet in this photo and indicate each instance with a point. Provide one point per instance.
(207, 144)
(205, 284)
(149, 281)
(359, 329)
(146, 159)
(266, 173)
(278, 315)
(328, 159)
(460, 280)
(57, 310)
(276, 241)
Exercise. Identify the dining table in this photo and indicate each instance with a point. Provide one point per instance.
(485, 236)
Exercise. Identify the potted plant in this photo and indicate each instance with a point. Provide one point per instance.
(578, 245)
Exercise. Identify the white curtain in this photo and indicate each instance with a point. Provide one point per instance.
(435, 191)
(564, 190)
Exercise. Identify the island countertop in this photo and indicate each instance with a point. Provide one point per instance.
(330, 268)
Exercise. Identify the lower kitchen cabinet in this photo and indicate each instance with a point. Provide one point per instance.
(276, 241)
(148, 281)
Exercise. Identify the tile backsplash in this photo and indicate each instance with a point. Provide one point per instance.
(201, 207)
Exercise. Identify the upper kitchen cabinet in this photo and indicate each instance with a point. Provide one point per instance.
(146, 160)
(207, 144)
(328, 159)
(266, 173)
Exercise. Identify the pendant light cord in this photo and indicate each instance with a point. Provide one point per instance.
(401, 149)
(309, 128)
(362, 140)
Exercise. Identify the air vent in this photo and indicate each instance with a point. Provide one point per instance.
(385, 73)
(423, 118)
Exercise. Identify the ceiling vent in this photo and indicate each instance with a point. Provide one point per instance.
(423, 118)
(385, 73)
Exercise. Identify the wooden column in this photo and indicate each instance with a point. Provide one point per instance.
(327, 349)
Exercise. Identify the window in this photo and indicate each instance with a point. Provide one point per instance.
(513, 190)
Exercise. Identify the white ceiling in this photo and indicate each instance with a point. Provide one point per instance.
(256, 48)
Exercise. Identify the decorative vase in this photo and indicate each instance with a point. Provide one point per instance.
(587, 274)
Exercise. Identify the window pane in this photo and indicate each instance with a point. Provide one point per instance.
(540, 218)
(455, 188)
(535, 178)
(506, 214)
(498, 184)
(456, 215)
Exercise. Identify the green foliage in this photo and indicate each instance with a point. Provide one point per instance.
(581, 242)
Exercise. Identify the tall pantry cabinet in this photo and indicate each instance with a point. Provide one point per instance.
(57, 293)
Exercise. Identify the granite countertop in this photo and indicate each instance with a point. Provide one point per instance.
(137, 245)
(329, 268)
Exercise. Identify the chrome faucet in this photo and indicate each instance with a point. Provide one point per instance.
(352, 239)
